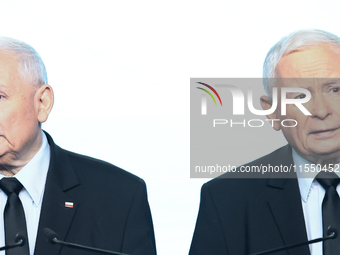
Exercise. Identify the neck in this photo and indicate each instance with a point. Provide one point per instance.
(325, 162)
(328, 164)
(9, 173)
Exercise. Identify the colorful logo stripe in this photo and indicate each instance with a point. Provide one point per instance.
(209, 92)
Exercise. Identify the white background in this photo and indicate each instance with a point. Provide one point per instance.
(120, 71)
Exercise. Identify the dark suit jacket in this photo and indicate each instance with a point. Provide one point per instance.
(110, 207)
(244, 216)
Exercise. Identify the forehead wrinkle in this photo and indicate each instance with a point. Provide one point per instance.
(313, 62)
(4, 80)
(312, 69)
(4, 88)
(3, 76)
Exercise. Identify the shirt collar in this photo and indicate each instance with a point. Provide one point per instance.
(305, 182)
(33, 175)
(305, 176)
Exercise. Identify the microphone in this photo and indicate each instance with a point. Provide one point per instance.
(52, 237)
(332, 233)
(20, 240)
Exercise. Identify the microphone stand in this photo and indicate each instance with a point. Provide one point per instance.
(332, 235)
(52, 237)
(19, 241)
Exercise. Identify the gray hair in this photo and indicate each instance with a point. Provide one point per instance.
(295, 41)
(30, 65)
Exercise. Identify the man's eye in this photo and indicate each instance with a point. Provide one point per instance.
(300, 96)
(335, 90)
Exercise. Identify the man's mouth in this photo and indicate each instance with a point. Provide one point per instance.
(324, 133)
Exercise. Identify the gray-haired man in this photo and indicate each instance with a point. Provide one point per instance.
(84, 200)
(244, 216)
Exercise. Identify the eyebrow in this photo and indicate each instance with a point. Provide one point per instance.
(331, 81)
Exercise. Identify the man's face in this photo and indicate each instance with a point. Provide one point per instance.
(317, 69)
(19, 126)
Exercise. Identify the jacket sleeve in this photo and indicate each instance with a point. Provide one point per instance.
(139, 238)
(208, 235)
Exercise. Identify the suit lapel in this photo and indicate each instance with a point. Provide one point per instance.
(286, 207)
(287, 211)
(54, 214)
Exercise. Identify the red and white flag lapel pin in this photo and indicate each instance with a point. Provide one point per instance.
(69, 204)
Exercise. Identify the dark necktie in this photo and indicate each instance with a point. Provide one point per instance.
(14, 215)
(330, 210)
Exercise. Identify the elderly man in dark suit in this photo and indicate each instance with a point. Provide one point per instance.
(250, 215)
(84, 200)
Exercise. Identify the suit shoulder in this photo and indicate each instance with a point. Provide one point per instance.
(231, 181)
(272, 157)
(89, 166)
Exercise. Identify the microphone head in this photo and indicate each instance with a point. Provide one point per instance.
(332, 231)
(50, 235)
(20, 239)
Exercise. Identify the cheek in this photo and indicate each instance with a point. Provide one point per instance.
(28, 120)
(292, 111)
(23, 118)
(290, 133)
(294, 114)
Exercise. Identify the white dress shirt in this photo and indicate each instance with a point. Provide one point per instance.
(312, 194)
(33, 177)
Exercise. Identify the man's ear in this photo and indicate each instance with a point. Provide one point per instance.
(266, 103)
(44, 99)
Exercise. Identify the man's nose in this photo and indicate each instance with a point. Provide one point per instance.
(319, 106)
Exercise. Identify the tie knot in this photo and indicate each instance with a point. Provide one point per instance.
(10, 185)
(327, 179)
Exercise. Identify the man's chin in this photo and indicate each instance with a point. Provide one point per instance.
(322, 153)
(5, 158)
